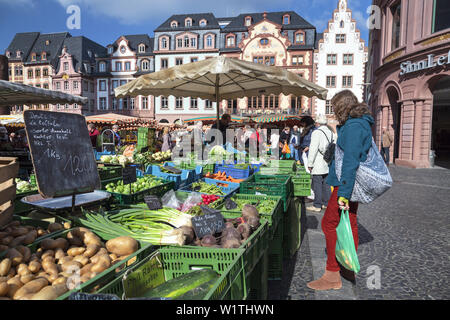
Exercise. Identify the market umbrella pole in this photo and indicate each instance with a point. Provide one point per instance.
(217, 99)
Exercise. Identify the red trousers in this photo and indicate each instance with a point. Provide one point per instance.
(330, 221)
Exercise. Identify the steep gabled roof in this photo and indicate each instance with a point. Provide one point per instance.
(134, 40)
(52, 49)
(79, 47)
(22, 42)
(296, 21)
(212, 22)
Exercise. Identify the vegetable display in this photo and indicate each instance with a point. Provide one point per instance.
(141, 184)
(23, 186)
(222, 176)
(207, 188)
(114, 159)
(15, 234)
(162, 156)
(47, 273)
(144, 158)
(263, 206)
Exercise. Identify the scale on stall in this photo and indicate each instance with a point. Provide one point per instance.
(63, 160)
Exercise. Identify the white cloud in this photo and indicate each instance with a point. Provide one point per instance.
(137, 11)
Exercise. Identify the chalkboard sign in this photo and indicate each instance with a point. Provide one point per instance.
(129, 175)
(210, 223)
(62, 154)
(153, 202)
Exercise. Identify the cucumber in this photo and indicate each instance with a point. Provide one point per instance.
(198, 293)
(179, 286)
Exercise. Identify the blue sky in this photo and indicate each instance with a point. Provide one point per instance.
(105, 20)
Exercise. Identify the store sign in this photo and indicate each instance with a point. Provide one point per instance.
(431, 62)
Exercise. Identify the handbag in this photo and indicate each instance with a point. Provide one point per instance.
(286, 149)
(372, 176)
(328, 156)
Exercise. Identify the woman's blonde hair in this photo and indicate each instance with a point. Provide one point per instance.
(166, 130)
(346, 104)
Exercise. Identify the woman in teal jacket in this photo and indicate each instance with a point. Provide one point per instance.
(355, 139)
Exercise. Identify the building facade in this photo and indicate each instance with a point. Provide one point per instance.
(409, 72)
(282, 39)
(179, 40)
(340, 58)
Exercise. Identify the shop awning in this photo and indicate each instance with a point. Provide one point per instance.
(20, 94)
(275, 118)
(213, 118)
(12, 120)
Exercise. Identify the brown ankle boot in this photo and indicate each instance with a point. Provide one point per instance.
(330, 280)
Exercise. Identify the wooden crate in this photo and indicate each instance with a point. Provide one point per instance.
(9, 168)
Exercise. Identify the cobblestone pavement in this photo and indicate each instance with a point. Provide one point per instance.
(404, 234)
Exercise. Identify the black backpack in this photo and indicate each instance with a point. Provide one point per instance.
(328, 156)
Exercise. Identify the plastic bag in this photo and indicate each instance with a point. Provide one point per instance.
(170, 200)
(345, 245)
(192, 200)
(286, 149)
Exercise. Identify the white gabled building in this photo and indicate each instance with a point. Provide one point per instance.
(339, 58)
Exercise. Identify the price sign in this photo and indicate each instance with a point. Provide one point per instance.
(153, 202)
(209, 223)
(129, 175)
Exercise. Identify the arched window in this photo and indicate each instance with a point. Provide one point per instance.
(231, 40)
(174, 24)
(209, 41)
(248, 21)
(145, 65)
(203, 23)
(341, 24)
(286, 19)
(188, 22)
(299, 37)
(141, 48)
(164, 43)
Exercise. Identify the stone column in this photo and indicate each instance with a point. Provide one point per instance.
(406, 130)
(417, 140)
(427, 121)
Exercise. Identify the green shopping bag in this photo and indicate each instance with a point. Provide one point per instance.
(345, 245)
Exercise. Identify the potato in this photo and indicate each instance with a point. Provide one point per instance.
(67, 225)
(34, 257)
(85, 277)
(49, 267)
(14, 285)
(48, 244)
(26, 253)
(12, 224)
(50, 292)
(5, 266)
(100, 252)
(27, 278)
(60, 280)
(49, 259)
(76, 251)
(91, 250)
(22, 269)
(4, 288)
(113, 256)
(59, 253)
(52, 277)
(33, 286)
(52, 227)
(122, 245)
(15, 256)
(86, 269)
(81, 259)
(11, 273)
(34, 266)
(17, 241)
(71, 266)
(48, 253)
(74, 240)
(3, 279)
(3, 234)
(6, 240)
(41, 232)
(30, 237)
(65, 259)
(27, 296)
(103, 263)
(19, 231)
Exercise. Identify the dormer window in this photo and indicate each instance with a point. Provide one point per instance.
(202, 23)
(248, 21)
(286, 19)
(110, 50)
(188, 22)
(8, 54)
(230, 40)
(33, 56)
(299, 37)
(44, 56)
(174, 24)
(141, 48)
(18, 54)
(123, 49)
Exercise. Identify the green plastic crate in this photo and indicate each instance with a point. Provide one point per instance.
(302, 185)
(110, 172)
(276, 185)
(259, 280)
(230, 285)
(283, 164)
(272, 217)
(275, 171)
(139, 196)
(275, 254)
(292, 229)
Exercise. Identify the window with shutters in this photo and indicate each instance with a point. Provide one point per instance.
(179, 103)
(164, 102)
(194, 103)
(297, 60)
(144, 103)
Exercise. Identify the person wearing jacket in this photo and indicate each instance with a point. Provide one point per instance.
(285, 136)
(320, 139)
(308, 125)
(355, 139)
(294, 143)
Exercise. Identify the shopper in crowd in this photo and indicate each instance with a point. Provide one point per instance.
(285, 137)
(5, 143)
(117, 139)
(223, 126)
(14, 140)
(355, 139)
(320, 139)
(308, 124)
(294, 144)
(93, 134)
(167, 140)
(386, 144)
(274, 143)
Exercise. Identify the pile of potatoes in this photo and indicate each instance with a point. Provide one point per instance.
(59, 264)
(15, 234)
